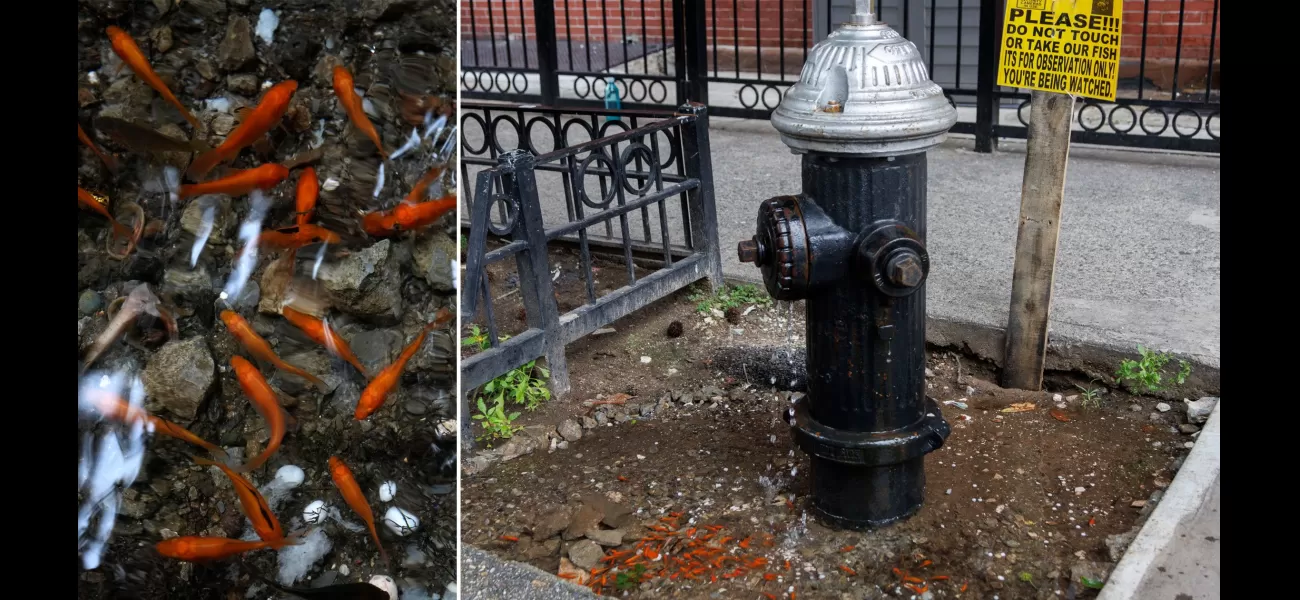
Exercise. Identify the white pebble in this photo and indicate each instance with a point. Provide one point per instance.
(343, 570)
(315, 512)
(400, 522)
(330, 184)
(645, 360)
(1080, 490)
(379, 181)
(385, 583)
(266, 24)
(291, 475)
(387, 491)
(221, 105)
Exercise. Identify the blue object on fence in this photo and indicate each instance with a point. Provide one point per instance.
(612, 99)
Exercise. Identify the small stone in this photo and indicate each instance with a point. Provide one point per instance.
(588, 422)
(236, 48)
(1135, 407)
(1160, 484)
(1189, 445)
(1163, 407)
(162, 38)
(929, 372)
(366, 283)
(415, 407)
(1080, 490)
(586, 554)
(588, 518)
(552, 525)
(603, 331)
(1057, 398)
(606, 537)
(242, 83)
(1199, 411)
(1155, 416)
(1117, 543)
(1188, 428)
(223, 124)
(434, 257)
(179, 376)
(570, 430)
(89, 302)
(1138, 503)
(1011, 543)
(645, 360)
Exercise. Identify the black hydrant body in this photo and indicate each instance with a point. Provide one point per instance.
(852, 245)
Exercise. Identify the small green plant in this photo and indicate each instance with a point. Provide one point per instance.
(628, 580)
(1148, 374)
(520, 386)
(1091, 584)
(728, 297)
(1027, 577)
(478, 339)
(496, 423)
(1091, 396)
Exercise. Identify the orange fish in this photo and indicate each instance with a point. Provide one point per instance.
(308, 190)
(386, 380)
(261, 349)
(251, 501)
(91, 201)
(263, 398)
(241, 182)
(352, 105)
(193, 548)
(406, 217)
(322, 334)
(417, 192)
(114, 407)
(297, 236)
(104, 156)
(131, 54)
(351, 492)
(257, 122)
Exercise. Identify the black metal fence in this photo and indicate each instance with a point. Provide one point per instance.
(730, 55)
(638, 171)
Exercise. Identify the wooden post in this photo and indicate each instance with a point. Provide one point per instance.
(1040, 226)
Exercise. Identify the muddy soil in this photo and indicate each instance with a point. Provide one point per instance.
(376, 294)
(1018, 504)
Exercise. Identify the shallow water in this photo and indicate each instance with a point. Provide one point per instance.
(157, 349)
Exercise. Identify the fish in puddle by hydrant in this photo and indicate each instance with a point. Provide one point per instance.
(125, 47)
(258, 121)
(261, 349)
(322, 334)
(267, 404)
(386, 380)
(238, 183)
(351, 492)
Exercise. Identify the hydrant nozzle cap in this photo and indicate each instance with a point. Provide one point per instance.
(864, 91)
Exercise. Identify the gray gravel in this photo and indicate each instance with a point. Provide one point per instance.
(486, 577)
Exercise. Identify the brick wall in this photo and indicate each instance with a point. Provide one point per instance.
(1161, 27)
(754, 21)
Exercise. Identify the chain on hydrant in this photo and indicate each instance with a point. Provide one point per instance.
(852, 245)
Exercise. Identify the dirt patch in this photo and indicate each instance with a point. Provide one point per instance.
(1018, 505)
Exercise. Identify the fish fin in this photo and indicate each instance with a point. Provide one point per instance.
(204, 163)
(242, 113)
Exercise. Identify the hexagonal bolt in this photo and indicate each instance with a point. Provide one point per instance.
(749, 251)
(904, 269)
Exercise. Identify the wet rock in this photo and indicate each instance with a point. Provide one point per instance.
(188, 286)
(1117, 543)
(570, 430)
(1163, 407)
(132, 95)
(222, 218)
(1188, 428)
(552, 524)
(275, 280)
(588, 422)
(296, 47)
(323, 72)
(315, 361)
(366, 283)
(109, 8)
(89, 302)
(615, 515)
(385, 10)
(143, 265)
(437, 356)
(376, 348)
(606, 537)
(189, 11)
(1135, 408)
(518, 446)
(1199, 411)
(433, 256)
(586, 554)
(236, 48)
(162, 38)
(179, 376)
(242, 83)
(587, 518)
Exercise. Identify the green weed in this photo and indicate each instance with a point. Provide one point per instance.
(519, 386)
(728, 297)
(628, 580)
(496, 423)
(1148, 373)
(1091, 396)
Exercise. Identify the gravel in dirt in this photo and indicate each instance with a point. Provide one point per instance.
(1021, 502)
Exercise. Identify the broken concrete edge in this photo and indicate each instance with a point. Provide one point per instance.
(576, 591)
(1095, 360)
(1180, 502)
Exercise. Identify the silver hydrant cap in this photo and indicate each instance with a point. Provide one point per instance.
(864, 91)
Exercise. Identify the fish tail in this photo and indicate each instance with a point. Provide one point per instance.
(299, 371)
(204, 163)
(290, 540)
(188, 117)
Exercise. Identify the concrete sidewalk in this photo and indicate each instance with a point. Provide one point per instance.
(1138, 261)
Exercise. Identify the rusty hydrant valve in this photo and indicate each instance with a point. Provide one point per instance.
(852, 245)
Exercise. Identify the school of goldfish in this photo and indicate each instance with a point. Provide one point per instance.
(414, 212)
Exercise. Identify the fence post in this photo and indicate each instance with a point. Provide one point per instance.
(534, 264)
(695, 31)
(547, 52)
(704, 217)
(987, 106)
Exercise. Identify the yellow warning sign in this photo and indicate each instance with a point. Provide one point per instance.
(1066, 46)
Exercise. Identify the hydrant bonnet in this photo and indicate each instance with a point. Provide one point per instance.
(864, 91)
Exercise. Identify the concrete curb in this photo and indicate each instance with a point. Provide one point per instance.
(485, 576)
(1194, 480)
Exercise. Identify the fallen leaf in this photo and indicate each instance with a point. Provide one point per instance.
(1019, 407)
(1059, 416)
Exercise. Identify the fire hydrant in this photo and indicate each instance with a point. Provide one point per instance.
(862, 115)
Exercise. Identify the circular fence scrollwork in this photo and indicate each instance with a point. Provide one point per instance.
(493, 82)
(632, 151)
(506, 227)
(1125, 119)
(769, 98)
(465, 118)
(631, 89)
(580, 179)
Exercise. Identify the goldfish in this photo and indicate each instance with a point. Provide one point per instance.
(321, 333)
(386, 380)
(104, 156)
(251, 502)
(261, 349)
(114, 407)
(406, 217)
(308, 190)
(263, 398)
(241, 182)
(260, 120)
(417, 192)
(297, 236)
(193, 548)
(351, 103)
(99, 204)
(351, 492)
(144, 139)
(126, 48)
